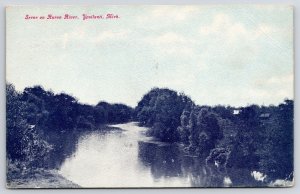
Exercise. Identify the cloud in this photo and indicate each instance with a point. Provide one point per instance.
(286, 79)
(180, 77)
(269, 90)
(263, 90)
(171, 43)
(83, 35)
(167, 16)
(167, 38)
(225, 28)
(223, 24)
(226, 43)
(224, 60)
(275, 88)
(176, 13)
(237, 44)
(77, 34)
(109, 35)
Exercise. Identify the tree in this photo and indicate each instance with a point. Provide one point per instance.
(161, 110)
(24, 144)
(204, 130)
(247, 137)
(277, 147)
(183, 129)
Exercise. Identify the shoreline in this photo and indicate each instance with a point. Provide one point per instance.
(42, 179)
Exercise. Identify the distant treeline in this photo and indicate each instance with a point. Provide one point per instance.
(42, 125)
(252, 137)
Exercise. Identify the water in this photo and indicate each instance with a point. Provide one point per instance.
(128, 158)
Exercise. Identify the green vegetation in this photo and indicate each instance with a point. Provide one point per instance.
(252, 137)
(43, 127)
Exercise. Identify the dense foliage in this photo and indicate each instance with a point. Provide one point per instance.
(24, 145)
(252, 137)
(41, 124)
(161, 109)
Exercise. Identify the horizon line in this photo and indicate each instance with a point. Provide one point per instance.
(178, 92)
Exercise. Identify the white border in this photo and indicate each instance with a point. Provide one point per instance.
(3, 3)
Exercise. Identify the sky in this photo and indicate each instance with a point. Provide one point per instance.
(230, 55)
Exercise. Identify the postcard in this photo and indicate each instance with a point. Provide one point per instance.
(149, 96)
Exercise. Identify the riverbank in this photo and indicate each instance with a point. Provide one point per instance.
(40, 179)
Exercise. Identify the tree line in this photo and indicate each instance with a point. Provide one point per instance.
(252, 137)
(43, 126)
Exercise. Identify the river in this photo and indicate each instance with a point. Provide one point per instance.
(127, 158)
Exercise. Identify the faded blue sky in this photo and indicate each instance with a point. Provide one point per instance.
(230, 55)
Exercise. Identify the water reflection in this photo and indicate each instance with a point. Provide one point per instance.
(130, 159)
(170, 161)
(163, 160)
(65, 146)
